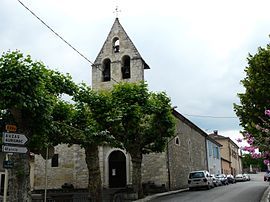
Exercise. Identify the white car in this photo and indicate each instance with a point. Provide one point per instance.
(200, 179)
(246, 176)
(239, 178)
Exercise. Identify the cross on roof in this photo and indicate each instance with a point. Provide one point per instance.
(116, 11)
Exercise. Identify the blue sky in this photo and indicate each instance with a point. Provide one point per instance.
(196, 49)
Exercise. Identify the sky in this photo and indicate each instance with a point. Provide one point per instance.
(196, 49)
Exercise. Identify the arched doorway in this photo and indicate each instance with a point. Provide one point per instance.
(117, 169)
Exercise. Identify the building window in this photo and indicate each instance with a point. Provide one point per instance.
(126, 67)
(106, 72)
(216, 152)
(116, 45)
(210, 148)
(177, 141)
(55, 160)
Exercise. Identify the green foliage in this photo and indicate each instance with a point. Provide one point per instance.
(93, 112)
(28, 87)
(247, 160)
(256, 97)
(128, 116)
(144, 119)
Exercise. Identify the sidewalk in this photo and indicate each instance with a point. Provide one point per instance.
(151, 197)
(266, 195)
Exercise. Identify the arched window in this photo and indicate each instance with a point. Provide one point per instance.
(106, 73)
(126, 67)
(116, 45)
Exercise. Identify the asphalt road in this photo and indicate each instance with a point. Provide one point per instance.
(250, 191)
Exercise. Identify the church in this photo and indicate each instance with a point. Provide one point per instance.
(119, 60)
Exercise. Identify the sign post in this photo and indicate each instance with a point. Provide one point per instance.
(12, 149)
(5, 183)
(14, 138)
(9, 140)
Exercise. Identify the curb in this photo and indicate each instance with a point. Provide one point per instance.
(148, 198)
(266, 195)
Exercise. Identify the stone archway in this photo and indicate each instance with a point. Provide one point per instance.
(117, 169)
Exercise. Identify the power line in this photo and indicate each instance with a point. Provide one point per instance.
(65, 41)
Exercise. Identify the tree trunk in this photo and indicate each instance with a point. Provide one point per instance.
(136, 160)
(94, 181)
(19, 179)
(19, 175)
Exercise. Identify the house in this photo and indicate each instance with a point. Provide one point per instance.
(230, 161)
(119, 60)
(213, 156)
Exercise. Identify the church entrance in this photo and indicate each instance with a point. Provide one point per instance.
(117, 169)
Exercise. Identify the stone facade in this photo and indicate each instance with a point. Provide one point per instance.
(185, 152)
(71, 169)
(125, 49)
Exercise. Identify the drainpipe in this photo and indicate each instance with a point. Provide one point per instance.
(168, 167)
(206, 147)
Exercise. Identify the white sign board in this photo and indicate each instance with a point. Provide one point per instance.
(14, 138)
(12, 149)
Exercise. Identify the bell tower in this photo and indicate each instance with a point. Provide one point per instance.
(118, 60)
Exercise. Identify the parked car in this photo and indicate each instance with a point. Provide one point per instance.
(200, 179)
(216, 181)
(231, 179)
(239, 178)
(246, 176)
(266, 176)
(223, 179)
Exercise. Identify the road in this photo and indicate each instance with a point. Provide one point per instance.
(250, 191)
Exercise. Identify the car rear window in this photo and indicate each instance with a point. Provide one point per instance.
(196, 175)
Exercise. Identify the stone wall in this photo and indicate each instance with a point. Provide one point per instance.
(154, 168)
(71, 169)
(188, 155)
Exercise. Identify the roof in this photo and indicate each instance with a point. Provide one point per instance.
(188, 122)
(214, 141)
(216, 136)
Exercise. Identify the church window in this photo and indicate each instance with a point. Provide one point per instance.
(177, 141)
(126, 67)
(116, 45)
(106, 73)
(55, 160)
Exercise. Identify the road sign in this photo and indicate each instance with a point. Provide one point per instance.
(14, 138)
(8, 164)
(13, 149)
(11, 128)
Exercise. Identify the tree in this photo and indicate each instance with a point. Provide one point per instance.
(140, 120)
(256, 98)
(80, 124)
(29, 92)
(248, 160)
(93, 115)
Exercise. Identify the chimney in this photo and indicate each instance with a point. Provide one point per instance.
(215, 132)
